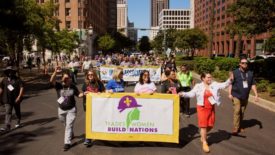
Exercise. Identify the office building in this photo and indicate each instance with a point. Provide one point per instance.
(175, 19)
(222, 43)
(122, 16)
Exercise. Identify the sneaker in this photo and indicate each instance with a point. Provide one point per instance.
(17, 125)
(88, 142)
(7, 128)
(66, 147)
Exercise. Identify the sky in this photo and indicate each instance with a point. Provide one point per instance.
(139, 12)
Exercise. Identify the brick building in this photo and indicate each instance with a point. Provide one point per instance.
(222, 43)
(79, 14)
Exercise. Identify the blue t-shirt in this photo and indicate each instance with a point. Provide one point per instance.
(115, 86)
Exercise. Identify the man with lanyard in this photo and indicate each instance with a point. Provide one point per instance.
(11, 89)
(239, 93)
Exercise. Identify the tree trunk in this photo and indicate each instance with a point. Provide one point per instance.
(44, 62)
(192, 53)
(18, 53)
(238, 48)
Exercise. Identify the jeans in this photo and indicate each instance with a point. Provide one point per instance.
(9, 108)
(67, 117)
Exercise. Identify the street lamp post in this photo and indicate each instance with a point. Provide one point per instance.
(164, 41)
(90, 47)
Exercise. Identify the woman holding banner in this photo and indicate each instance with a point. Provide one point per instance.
(171, 85)
(117, 84)
(145, 85)
(92, 84)
(207, 94)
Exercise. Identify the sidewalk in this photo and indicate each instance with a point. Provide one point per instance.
(262, 102)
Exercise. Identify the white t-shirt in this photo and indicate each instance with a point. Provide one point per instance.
(86, 65)
(145, 88)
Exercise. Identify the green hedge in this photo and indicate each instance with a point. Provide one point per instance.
(221, 75)
(204, 65)
(226, 64)
(262, 86)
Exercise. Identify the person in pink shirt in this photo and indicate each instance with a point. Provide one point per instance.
(145, 85)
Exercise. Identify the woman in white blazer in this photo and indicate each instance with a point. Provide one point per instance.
(207, 94)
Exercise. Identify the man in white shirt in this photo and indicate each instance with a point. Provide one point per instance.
(87, 64)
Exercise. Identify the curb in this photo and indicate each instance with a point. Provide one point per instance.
(262, 102)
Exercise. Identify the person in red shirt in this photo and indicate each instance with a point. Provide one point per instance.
(92, 84)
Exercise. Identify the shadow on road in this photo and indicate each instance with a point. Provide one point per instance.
(251, 123)
(186, 135)
(40, 122)
(10, 144)
(9, 141)
(219, 136)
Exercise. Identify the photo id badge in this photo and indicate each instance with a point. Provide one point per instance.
(61, 100)
(245, 84)
(10, 87)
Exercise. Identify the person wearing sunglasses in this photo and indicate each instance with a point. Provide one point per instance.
(239, 91)
(145, 85)
(66, 91)
(92, 84)
(117, 84)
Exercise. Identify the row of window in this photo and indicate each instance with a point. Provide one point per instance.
(176, 13)
(68, 24)
(176, 18)
(176, 22)
(176, 26)
(56, 1)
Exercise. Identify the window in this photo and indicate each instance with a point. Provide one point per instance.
(68, 24)
(80, 25)
(68, 12)
(56, 12)
(79, 12)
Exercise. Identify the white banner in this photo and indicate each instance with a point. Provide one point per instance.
(131, 74)
(128, 117)
(155, 116)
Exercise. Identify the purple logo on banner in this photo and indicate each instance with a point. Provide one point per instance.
(127, 102)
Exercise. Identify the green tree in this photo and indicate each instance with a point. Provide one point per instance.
(159, 42)
(191, 39)
(269, 45)
(251, 18)
(122, 42)
(106, 42)
(144, 44)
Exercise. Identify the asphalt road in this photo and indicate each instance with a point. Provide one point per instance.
(42, 132)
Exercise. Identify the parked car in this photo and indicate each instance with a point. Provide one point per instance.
(262, 57)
